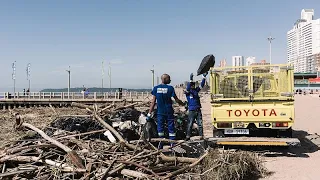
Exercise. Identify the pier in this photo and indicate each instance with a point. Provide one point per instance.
(63, 99)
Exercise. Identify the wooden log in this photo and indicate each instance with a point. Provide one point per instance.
(177, 159)
(104, 177)
(136, 174)
(73, 156)
(127, 106)
(121, 165)
(82, 134)
(65, 167)
(140, 166)
(95, 107)
(113, 131)
(55, 112)
(148, 155)
(45, 136)
(7, 174)
(172, 159)
(18, 149)
(166, 168)
(106, 108)
(82, 106)
(110, 128)
(4, 168)
(104, 105)
(187, 167)
(89, 167)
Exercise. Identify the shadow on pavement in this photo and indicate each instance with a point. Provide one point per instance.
(309, 144)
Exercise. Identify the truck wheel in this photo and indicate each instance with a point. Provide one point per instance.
(217, 133)
(286, 134)
(289, 133)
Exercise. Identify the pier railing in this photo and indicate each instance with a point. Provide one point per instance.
(77, 95)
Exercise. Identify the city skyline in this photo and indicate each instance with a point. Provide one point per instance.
(133, 36)
(303, 42)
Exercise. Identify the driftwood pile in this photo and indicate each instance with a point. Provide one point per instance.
(228, 165)
(100, 151)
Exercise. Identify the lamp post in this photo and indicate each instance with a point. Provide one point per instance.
(270, 40)
(109, 73)
(69, 79)
(157, 80)
(28, 75)
(14, 78)
(102, 75)
(152, 71)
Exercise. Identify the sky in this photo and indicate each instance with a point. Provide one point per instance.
(133, 36)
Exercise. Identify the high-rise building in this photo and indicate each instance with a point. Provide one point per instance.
(250, 60)
(223, 63)
(237, 61)
(303, 42)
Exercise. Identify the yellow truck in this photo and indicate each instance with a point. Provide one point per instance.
(253, 105)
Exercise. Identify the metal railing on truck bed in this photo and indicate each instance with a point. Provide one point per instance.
(257, 82)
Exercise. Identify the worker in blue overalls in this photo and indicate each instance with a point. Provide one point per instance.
(162, 94)
(194, 105)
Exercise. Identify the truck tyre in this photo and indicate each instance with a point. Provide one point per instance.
(285, 134)
(289, 133)
(216, 133)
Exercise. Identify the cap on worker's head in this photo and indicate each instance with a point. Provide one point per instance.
(165, 78)
(192, 83)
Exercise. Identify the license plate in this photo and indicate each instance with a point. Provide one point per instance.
(236, 131)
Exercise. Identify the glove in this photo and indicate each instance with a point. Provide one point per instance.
(205, 74)
(186, 105)
(148, 117)
(191, 77)
(180, 120)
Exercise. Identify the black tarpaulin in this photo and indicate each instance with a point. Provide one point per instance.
(206, 64)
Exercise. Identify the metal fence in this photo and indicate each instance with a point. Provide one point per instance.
(78, 95)
(269, 81)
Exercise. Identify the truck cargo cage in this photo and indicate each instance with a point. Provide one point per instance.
(257, 82)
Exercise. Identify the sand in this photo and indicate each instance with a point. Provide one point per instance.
(300, 163)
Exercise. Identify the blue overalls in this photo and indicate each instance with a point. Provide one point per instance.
(165, 112)
(194, 107)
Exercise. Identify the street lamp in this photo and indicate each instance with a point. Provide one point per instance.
(14, 78)
(102, 75)
(69, 71)
(109, 73)
(270, 39)
(28, 75)
(152, 71)
(157, 80)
